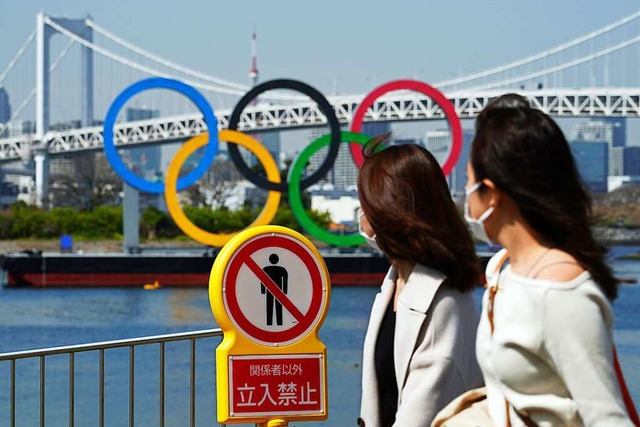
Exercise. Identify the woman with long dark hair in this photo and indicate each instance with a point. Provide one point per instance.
(419, 348)
(545, 334)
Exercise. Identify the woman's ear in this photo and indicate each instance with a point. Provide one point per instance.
(492, 193)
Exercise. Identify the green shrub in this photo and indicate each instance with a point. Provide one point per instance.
(21, 221)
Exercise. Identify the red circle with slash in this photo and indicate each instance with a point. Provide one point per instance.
(305, 320)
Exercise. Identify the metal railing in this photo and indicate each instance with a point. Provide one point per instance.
(100, 347)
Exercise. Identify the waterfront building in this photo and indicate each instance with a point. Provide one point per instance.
(270, 140)
(376, 128)
(146, 161)
(616, 182)
(134, 114)
(20, 127)
(439, 143)
(341, 204)
(592, 160)
(403, 141)
(611, 130)
(632, 161)
(344, 173)
(9, 188)
(459, 173)
(62, 165)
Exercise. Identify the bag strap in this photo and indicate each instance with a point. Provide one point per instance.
(492, 286)
(626, 396)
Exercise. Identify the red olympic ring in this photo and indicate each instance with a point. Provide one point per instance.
(431, 92)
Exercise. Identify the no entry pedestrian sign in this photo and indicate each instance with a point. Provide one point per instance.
(269, 291)
(273, 289)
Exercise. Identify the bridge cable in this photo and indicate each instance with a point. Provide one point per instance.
(29, 97)
(540, 55)
(151, 71)
(15, 59)
(560, 67)
(132, 64)
(163, 61)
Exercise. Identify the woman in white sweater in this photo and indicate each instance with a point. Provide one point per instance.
(545, 339)
(419, 348)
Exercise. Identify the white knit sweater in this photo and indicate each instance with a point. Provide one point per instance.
(550, 354)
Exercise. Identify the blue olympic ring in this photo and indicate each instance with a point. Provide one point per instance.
(160, 83)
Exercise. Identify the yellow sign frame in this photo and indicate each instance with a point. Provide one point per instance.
(235, 343)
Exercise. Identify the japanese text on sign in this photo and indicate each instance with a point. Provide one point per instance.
(276, 384)
(275, 370)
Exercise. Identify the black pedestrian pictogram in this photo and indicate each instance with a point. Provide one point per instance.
(280, 277)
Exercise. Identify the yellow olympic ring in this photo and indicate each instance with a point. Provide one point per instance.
(171, 188)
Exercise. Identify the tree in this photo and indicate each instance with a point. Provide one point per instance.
(215, 187)
(162, 223)
(88, 182)
(149, 221)
(284, 174)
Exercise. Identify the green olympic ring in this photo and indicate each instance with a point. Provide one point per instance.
(295, 199)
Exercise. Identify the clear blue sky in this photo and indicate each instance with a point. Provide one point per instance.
(348, 44)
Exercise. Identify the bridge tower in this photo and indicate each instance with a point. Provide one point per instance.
(43, 36)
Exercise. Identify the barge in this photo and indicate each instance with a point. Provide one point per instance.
(174, 268)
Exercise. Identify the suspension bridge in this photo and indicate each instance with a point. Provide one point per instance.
(58, 86)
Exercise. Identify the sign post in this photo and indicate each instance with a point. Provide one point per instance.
(269, 291)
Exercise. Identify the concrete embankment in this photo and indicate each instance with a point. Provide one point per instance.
(617, 236)
(608, 236)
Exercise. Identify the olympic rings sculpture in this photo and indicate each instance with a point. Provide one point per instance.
(272, 182)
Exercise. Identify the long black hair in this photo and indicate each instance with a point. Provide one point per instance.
(524, 152)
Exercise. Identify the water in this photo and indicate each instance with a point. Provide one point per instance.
(37, 318)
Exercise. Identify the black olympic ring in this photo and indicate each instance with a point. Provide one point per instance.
(324, 106)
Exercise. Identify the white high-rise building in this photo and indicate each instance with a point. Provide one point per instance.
(616, 161)
(20, 127)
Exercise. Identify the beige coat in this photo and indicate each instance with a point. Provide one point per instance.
(434, 348)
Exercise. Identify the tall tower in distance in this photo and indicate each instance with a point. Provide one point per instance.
(253, 72)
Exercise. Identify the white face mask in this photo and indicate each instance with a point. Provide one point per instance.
(476, 225)
(371, 240)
